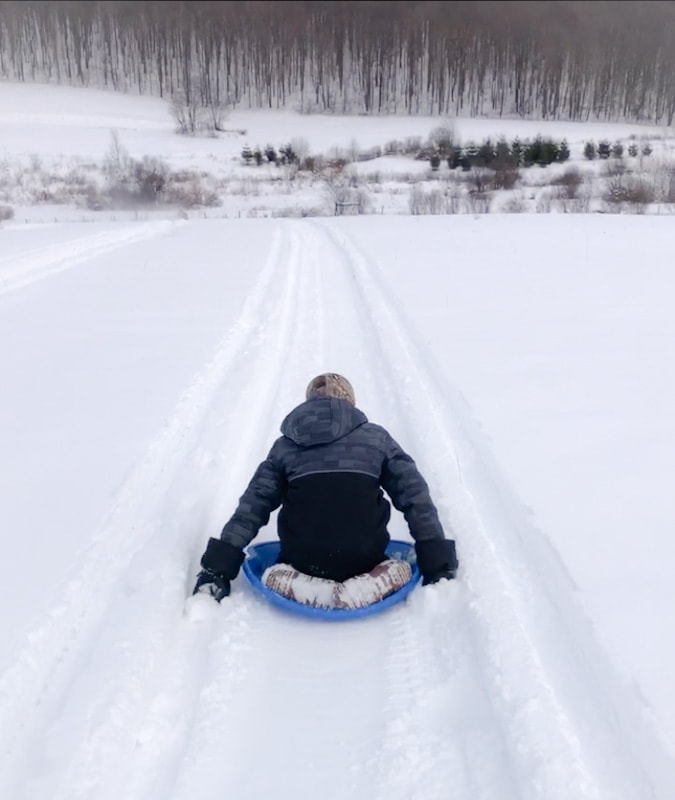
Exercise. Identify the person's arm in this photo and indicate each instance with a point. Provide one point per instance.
(262, 496)
(224, 556)
(403, 482)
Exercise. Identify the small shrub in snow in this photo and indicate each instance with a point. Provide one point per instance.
(117, 161)
(662, 176)
(480, 180)
(294, 212)
(544, 203)
(454, 196)
(150, 176)
(417, 200)
(581, 204)
(442, 140)
(194, 193)
(6, 213)
(345, 201)
(94, 199)
(614, 167)
(373, 177)
(186, 113)
(75, 177)
(478, 202)
(505, 173)
(412, 144)
(36, 163)
(192, 117)
(515, 205)
(299, 147)
(313, 164)
(341, 188)
(636, 193)
(569, 182)
(370, 154)
(426, 202)
(246, 188)
(131, 182)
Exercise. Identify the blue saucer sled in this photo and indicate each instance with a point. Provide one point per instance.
(261, 556)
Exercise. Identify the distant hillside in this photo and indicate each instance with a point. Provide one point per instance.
(563, 60)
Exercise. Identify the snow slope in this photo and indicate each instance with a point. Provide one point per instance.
(118, 684)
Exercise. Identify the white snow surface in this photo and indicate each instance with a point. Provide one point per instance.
(526, 362)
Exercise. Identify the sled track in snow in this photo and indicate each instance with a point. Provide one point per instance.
(153, 530)
(557, 709)
(127, 692)
(32, 265)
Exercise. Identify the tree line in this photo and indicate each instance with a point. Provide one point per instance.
(565, 60)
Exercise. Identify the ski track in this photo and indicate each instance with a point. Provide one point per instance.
(131, 691)
(144, 535)
(559, 706)
(20, 270)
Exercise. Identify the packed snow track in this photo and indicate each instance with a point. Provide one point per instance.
(487, 688)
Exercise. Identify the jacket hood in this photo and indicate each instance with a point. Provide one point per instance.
(321, 420)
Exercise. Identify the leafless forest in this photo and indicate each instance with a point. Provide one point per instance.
(564, 60)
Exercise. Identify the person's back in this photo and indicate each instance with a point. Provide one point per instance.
(328, 471)
(333, 518)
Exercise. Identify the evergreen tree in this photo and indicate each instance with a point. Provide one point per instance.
(470, 154)
(549, 152)
(590, 151)
(563, 151)
(517, 151)
(287, 155)
(455, 157)
(532, 152)
(502, 151)
(485, 154)
(604, 149)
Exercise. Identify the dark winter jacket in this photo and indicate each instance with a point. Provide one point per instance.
(327, 472)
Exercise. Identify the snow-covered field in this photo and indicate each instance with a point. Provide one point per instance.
(56, 143)
(526, 363)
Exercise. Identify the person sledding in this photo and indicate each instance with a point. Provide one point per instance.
(328, 473)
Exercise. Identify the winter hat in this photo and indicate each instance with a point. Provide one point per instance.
(330, 384)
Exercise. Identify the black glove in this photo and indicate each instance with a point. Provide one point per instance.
(437, 559)
(218, 586)
(220, 565)
(447, 574)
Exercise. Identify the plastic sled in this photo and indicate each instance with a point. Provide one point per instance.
(261, 556)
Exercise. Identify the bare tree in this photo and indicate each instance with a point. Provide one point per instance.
(576, 60)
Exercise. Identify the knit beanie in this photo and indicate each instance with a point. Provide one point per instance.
(330, 384)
